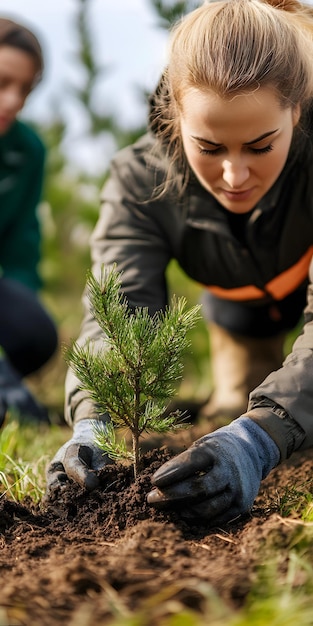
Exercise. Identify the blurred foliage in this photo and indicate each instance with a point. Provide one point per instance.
(99, 121)
(92, 73)
(170, 12)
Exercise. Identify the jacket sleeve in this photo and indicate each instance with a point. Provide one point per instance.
(283, 403)
(20, 248)
(131, 234)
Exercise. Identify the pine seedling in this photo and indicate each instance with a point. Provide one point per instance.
(133, 373)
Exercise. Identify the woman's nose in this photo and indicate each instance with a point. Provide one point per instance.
(235, 174)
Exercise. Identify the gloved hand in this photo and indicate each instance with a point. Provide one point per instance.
(14, 395)
(78, 459)
(219, 476)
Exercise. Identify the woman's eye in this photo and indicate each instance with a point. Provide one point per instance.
(217, 151)
(208, 151)
(262, 150)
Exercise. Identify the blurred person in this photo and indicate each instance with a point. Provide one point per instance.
(222, 183)
(28, 336)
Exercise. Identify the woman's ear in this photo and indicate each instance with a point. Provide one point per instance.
(296, 114)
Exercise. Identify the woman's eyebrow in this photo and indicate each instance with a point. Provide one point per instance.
(270, 132)
(248, 143)
(205, 140)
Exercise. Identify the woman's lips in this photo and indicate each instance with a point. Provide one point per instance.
(238, 196)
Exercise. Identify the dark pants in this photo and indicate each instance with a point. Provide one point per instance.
(28, 335)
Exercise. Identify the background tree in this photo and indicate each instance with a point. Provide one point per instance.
(92, 72)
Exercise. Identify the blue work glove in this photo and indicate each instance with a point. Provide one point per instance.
(79, 459)
(219, 476)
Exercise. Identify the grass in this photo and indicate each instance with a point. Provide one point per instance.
(297, 501)
(24, 453)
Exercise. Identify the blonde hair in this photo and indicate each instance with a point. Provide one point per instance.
(231, 46)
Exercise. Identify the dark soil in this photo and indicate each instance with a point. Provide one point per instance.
(85, 559)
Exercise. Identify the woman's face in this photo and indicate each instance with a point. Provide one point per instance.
(17, 76)
(237, 147)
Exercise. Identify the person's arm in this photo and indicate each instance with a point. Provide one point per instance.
(219, 476)
(283, 404)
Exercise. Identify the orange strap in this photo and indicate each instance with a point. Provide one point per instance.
(279, 287)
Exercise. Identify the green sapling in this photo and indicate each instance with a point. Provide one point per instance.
(133, 373)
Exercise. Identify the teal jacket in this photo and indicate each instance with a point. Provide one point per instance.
(22, 157)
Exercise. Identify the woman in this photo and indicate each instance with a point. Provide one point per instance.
(28, 336)
(222, 183)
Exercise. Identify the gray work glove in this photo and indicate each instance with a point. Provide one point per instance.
(79, 459)
(219, 476)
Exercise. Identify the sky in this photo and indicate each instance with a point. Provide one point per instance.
(126, 39)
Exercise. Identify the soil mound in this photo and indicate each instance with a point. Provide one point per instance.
(85, 558)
